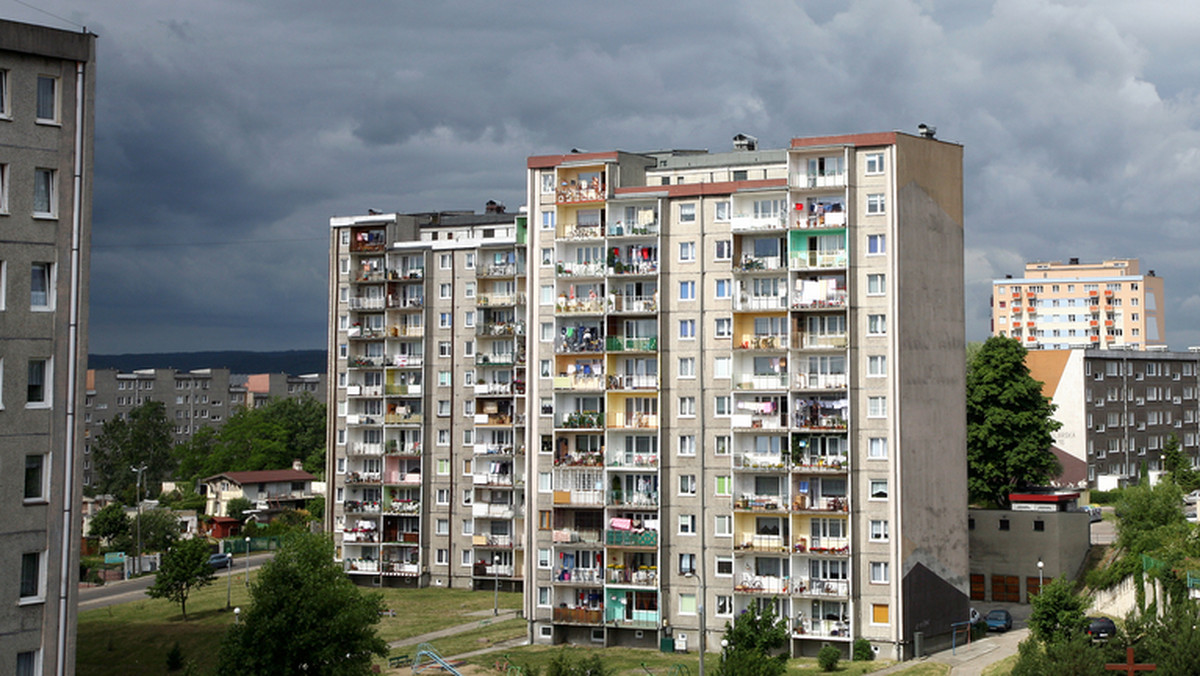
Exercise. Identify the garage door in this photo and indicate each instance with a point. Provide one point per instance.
(1033, 586)
(1006, 588)
(978, 593)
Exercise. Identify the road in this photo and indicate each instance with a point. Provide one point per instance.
(124, 591)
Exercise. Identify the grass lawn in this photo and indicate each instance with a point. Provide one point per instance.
(420, 611)
(1002, 668)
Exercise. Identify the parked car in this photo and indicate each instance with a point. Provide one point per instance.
(221, 560)
(999, 620)
(1101, 628)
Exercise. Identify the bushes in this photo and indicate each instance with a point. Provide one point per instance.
(863, 651)
(828, 658)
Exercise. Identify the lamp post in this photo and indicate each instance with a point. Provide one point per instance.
(237, 614)
(1040, 567)
(496, 578)
(229, 583)
(247, 561)
(137, 495)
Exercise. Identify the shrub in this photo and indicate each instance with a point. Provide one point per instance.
(828, 658)
(175, 658)
(863, 651)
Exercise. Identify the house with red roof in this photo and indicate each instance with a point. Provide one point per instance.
(269, 491)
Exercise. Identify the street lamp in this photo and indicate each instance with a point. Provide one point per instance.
(496, 577)
(247, 561)
(138, 496)
(237, 615)
(1040, 567)
(229, 583)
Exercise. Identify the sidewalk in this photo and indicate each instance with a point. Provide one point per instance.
(970, 659)
(485, 617)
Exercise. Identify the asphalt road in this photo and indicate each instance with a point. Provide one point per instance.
(124, 591)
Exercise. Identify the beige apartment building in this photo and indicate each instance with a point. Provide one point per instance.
(1103, 305)
(47, 96)
(680, 384)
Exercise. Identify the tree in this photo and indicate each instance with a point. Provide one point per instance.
(110, 523)
(144, 437)
(1058, 612)
(160, 529)
(1170, 640)
(305, 616)
(1009, 424)
(1148, 517)
(753, 642)
(1177, 466)
(268, 437)
(238, 507)
(184, 568)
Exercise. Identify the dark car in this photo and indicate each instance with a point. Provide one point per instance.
(1101, 628)
(999, 620)
(221, 560)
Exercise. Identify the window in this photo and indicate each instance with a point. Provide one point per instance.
(687, 565)
(443, 407)
(443, 557)
(547, 258)
(877, 448)
(47, 99)
(443, 437)
(687, 291)
(879, 530)
(35, 477)
(469, 261)
(724, 566)
(687, 367)
(1039, 526)
(876, 366)
(876, 325)
(45, 199)
(722, 367)
(443, 496)
(687, 484)
(37, 389)
(723, 250)
(547, 220)
(442, 527)
(444, 320)
(876, 285)
(547, 182)
(28, 663)
(444, 291)
(443, 467)
(4, 104)
(546, 294)
(469, 348)
(876, 407)
(722, 211)
(545, 482)
(465, 558)
(3, 181)
(469, 290)
(546, 332)
(724, 288)
(723, 327)
(687, 252)
(445, 262)
(724, 606)
(879, 572)
(876, 245)
(444, 378)
(721, 445)
(687, 407)
(1004, 524)
(723, 526)
(543, 558)
(874, 163)
(687, 328)
(879, 613)
(723, 406)
(875, 203)
(41, 286)
(687, 524)
(545, 519)
(879, 489)
(687, 213)
(31, 577)
(724, 486)
(544, 601)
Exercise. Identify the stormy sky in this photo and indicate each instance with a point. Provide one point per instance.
(228, 133)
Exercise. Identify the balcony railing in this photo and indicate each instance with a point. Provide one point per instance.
(403, 478)
(762, 341)
(628, 538)
(576, 231)
(633, 304)
(493, 449)
(761, 503)
(495, 359)
(622, 460)
(579, 575)
(497, 541)
(496, 389)
(364, 478)
(408, 448)
(761, 382)
(579, 269)
(579, 615)
(571, 193)
(816, 463)
(831, 588)
(747, 303)
(407, 360)
(633, 498)
(817, 260)
(406, 274)
(567, 536)
(750, 263)
(761, 584)
(404, 331)
(804, 503)
(493, 570)
(500, 329)
(498, 300)
(579, 459)
(811, 421)
(760, 461)
(493, 479)
(581, 498)
(760, 543)
(748, 222)
(567, 306)
(365, 362)
(828, 219)
(818, 628)
(502, 270)
(757, 422)
(404, 419)
(502, 419)
(616, 344)
(633, 382)
(405, 303)
(836, 299)
(361, 507)
(579, 420)
(592, 382)
(823, 546)
(821, 341)
(639, 267)
(360, 448)
(643, 576)
(364, 391)
(821, 381)
(619, 229)
(364, 303)
(490, 511)
(632, 420)
(404, 507)
(403, 390)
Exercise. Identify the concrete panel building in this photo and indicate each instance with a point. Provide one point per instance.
(47, 92)
(1104, 305)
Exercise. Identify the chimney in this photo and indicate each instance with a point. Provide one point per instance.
(298, 465)
(1074, 261)
(493, 207)
(1152, 273)
(745, 142)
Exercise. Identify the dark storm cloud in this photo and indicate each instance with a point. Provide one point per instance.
(229, 132)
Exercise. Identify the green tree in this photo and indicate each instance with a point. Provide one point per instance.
(183, 497)
(268, 437)
(159, 529)
(316, 508)
(1170, 640)
(110, 523)
(1148, 517)
(238, 507)
(1178, 467)
(305, 616)
(144, 437)
(1073, 656)
(753, 641)
(184, 569)
(1058, 612)
(1009, 424)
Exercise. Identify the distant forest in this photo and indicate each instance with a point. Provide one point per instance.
(293, 362)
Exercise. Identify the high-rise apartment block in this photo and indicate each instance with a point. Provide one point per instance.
(1102, 305)
(743, 386)
(47, 92)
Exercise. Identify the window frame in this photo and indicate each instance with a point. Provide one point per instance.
(50, 184)
(47, 376)
(55, 100)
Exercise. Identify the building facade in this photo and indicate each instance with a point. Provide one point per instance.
(427, 409)
(1057, 306)
(1119, 408)
(737, 387)
(47, 91)
(192, 399)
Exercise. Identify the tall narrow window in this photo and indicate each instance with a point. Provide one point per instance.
(43, 192)
(40, 285)
(35, 477)
(47, 99)
(37, 388)
(31, 575)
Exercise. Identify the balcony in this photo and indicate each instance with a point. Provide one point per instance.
(821, 588)
(761, 584)
(574, 231)
(828, 219)
(749, 222)
(403, 390)
(567, 536)
(817, 628)
(759, 461)
(647, 228)
(761, 543)
(633, 498)
(579, 420)
(500, 329)
(404, 331)
(821, 381)
(406, 303)
(498, 300)
(364, 303)
(574, 193)
(819, 422)
(407, 274)
(579, 459)
(493, 449)
(578, 306)
(632, 420)
(501, 270)
(615, 344)
(498, 389)
(761, 382)
(761, 503)
(352, 537)
(579, 383)
(495, 359)
(404, 418)
(750, 263)
(754, 341)
(493, 479)
(764, 421)
(407, 361)
(361, 507)
(579, 616)
(644, 576)
(361, 448)
(633, 304)
(821, 464)
(493, 419)
(821, 341)
(622, 460)
(364, 390)
(496, 541)
(803, 503)
(493, 511)
(403, 507)
(817, 260)
(405, 538)
(748, 303)
(637, 267)
(365, 362)
(832, 300)
(571, 269)
(579, 498)
(383, 567)
(823, 546)
(633, 382)
(493, 570)
(579, 576)
(410, 448)
(628, 538)
(396, 478)
(364, 478)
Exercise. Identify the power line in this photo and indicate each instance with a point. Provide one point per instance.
(60, 18)
(226, 242)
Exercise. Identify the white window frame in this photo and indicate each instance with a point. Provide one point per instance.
(877, 325)
(687, 252)
(723, 289)
(874, 486)
(39, 596)
(873, 166)
(877, 448)
(55, 102)
(687, 407)
(876, 204)
(687, 367)
(877, 366)
(49, 277)
(876, 284)
(687, 524)
(687, 329)
(880, 572)
(877, 406)
(47, 384)
(687, 212)
(722, 368)
(43, 487)
(880, 530)
(876, 245)
(687, 484)
(45, 178)
(723, 526)
(687, 290)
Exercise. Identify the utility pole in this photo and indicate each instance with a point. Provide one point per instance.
(138, 497)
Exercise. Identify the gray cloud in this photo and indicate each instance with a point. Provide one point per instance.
(229, 132)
